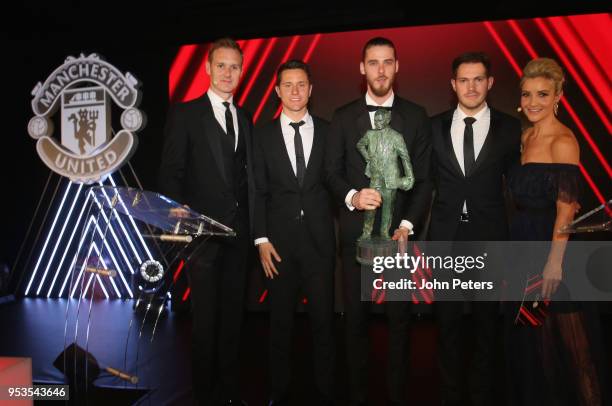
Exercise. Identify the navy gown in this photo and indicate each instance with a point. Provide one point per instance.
(560, 362)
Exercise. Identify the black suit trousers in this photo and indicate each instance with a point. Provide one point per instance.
(357, 313)
(217, 275)
(302, 270)
(452, 340)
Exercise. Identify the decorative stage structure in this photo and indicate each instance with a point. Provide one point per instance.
(83, 89)
(99, 238)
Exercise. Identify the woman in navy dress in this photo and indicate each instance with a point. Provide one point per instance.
(555, 363)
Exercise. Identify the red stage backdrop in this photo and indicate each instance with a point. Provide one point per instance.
(582, 44)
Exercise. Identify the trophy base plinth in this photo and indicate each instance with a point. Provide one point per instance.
(373, 247)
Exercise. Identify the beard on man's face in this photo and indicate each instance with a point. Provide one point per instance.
(381, 88)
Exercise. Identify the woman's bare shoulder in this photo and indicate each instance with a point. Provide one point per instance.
(564, 147)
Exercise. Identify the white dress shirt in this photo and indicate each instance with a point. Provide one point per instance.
(219, 109)
(481, 128)
(307, 134)
(349, 196)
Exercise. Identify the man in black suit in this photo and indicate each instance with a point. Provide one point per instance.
(294, 229)
(206, 164)
(473, 148)
(349, 185)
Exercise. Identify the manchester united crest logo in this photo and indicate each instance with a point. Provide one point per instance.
(84, 89)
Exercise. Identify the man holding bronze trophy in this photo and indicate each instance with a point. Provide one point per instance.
(352, 189)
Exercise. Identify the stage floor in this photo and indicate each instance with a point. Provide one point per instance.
(35, 328)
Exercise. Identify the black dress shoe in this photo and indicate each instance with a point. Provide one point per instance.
(235, 403)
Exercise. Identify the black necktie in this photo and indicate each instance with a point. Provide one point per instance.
(375, 108)
(229, 124)
(468, 145)
(300, 161)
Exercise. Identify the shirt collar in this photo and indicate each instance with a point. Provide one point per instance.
(386, 103)
(285, 120)
(216, 100)
(460, 114)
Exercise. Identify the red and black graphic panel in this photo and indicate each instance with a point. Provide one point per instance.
(582, 44)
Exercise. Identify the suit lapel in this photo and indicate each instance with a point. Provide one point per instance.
(244, 125)
(397, 121)
(363, 120)
(448, 143)
(211, 132)
(279, 142)
(488, 143)
(243, 131)
(316, 153)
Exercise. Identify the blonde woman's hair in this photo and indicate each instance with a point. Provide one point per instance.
(544, 68)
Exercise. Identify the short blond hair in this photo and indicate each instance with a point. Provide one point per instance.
(225, 42)
(544, 68)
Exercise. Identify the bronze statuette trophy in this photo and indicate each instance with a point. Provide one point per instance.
(381, 147)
